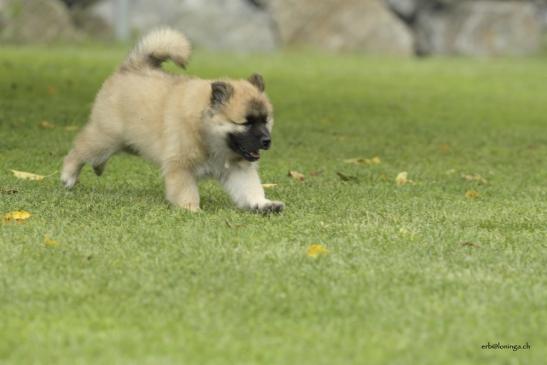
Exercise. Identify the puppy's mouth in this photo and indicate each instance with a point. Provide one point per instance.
(246, 150)
(249, 155)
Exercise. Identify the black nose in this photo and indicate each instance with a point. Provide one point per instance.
(266, 142)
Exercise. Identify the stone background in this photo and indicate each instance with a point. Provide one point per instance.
(393, 27)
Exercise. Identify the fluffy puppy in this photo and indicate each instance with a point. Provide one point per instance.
(190, 127)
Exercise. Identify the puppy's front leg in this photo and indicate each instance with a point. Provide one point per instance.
(181, 187)
(243, 184)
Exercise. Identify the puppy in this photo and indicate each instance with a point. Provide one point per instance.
(190, 127)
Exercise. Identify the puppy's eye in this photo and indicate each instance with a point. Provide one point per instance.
(252, 119)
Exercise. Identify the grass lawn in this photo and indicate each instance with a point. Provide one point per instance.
(415, 274)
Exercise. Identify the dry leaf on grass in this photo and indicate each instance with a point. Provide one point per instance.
(298, 176)
(51, 90)
(317, 250)
(444, 147)
(8, 191)
(364, 161)
(48, 242)
(46, 125)
(269, 186)
(17, 216)
(471, 194)
(476, 177)
(402, 179)
(27, 175)
(345, 177)
(470, 244)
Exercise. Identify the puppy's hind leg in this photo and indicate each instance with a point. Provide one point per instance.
(91, 146)
(98, 169)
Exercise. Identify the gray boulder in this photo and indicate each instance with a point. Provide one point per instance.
(351, 25)
(35, 21)
(407, 9)
(233, 25)
(479, 28)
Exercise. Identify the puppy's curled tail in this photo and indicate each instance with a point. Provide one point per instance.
(156, 47)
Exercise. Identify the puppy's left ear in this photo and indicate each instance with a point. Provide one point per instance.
(258, 81)
(221, 92)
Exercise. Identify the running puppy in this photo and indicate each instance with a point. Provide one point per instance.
(190, 127)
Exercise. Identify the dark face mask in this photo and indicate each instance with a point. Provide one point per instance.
(255, 137)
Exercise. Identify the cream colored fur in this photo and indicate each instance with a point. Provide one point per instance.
(170, 121)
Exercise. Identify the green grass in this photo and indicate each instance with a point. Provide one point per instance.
(136, 281)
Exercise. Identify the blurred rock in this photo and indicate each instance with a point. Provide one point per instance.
(478, 28)
(36, 21)
(406, 9)
(79, 3)
(349, 25)
(235, 25)
(542, 11)
(91, 24)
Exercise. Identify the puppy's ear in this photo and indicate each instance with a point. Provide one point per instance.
(220, 92)
(258, 81)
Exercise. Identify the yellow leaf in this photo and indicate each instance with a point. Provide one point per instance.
(269, 186)
(48, 242)
(317, 250)
(51, 90)
(375, 160)
(17, 216)
(444, 147)
(46, 125)
(402, 179)
(471, 194)
(298, 176)
(364, 161)
(477, 177)
(27, 175)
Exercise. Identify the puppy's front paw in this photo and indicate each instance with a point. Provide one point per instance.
(190, 207)
(270, 206)
(68, 181)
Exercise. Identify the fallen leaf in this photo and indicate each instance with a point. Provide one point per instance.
(17, 216)
(477, 177)
(71, 128)
(8, 191)
(298, 176)
(46, 125)
(317, 250)
(27, 175)
(470, 244)
(444, 147)
(51, 90)
(402, 179)
(48, 242)
(364, 161)
(269, 186)
(345, 177)
(471, 194)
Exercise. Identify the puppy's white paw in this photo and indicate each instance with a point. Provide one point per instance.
(68, 181)
(269, 206)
